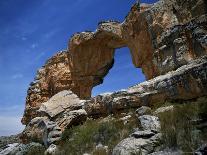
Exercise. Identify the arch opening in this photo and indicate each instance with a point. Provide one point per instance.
(122, 75)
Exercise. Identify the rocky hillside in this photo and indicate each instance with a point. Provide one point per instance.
(167, 40)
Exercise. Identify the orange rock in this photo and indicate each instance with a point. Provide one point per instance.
(161, 37)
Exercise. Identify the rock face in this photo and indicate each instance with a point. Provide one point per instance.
(64, 100)
(162, 37)
(143, 141)
(187, 82)
(60, 112)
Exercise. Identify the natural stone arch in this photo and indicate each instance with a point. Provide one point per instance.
(154, 36)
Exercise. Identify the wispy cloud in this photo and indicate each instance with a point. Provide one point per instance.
(17, 76)
(10, 125)
(34, 45)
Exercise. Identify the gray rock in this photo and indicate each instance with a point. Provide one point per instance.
(163, 109)
(52, 150)
(133, 145)
(149, 122)
(60, 102)
(42, 130)
(54, 136)
(69, 118)
(144, 110)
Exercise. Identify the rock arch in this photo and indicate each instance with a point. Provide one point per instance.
(154, 36)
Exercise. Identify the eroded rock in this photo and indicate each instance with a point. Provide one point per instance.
(162, 38)
(134, 145)
(143, 110)
(149, 122)
(64, 100)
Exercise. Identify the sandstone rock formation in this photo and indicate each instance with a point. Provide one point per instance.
(187, 82)
(168, 40)
(161, 37)
(59, 112)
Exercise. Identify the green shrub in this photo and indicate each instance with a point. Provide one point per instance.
(84, 138)
(178, 129)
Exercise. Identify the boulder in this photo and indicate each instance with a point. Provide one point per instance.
(52, 150)
(134, 145)
(163, 109)
(149, 122)
(69, 118)
(64, 100)
(143, 110)
(41, 130)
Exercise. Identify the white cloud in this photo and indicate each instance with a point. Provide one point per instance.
(17, 76)
(34, 45)
(10, 125)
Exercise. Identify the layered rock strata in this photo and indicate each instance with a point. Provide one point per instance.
(185, 83)
(168, 40)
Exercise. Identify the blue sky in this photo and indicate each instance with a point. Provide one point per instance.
(34, 30)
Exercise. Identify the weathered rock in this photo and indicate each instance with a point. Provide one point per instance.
(60, 112)
(70, 118)
(162, 37)
(133, 145)
(187, 82)
(163, 109)
(62, 101)
(52, 78)
(51, 150)
(41, 130)
(143, 110)
(149, 122)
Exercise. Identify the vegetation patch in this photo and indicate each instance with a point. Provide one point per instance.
(182, 127)
(102, 132)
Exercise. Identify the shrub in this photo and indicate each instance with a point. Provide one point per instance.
(84, 138)
(178, 129)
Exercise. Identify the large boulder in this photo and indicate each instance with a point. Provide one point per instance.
(61, 111)
(60, 102)
(149, 122)
(143, 110)
(41, 130)
(144, 144)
